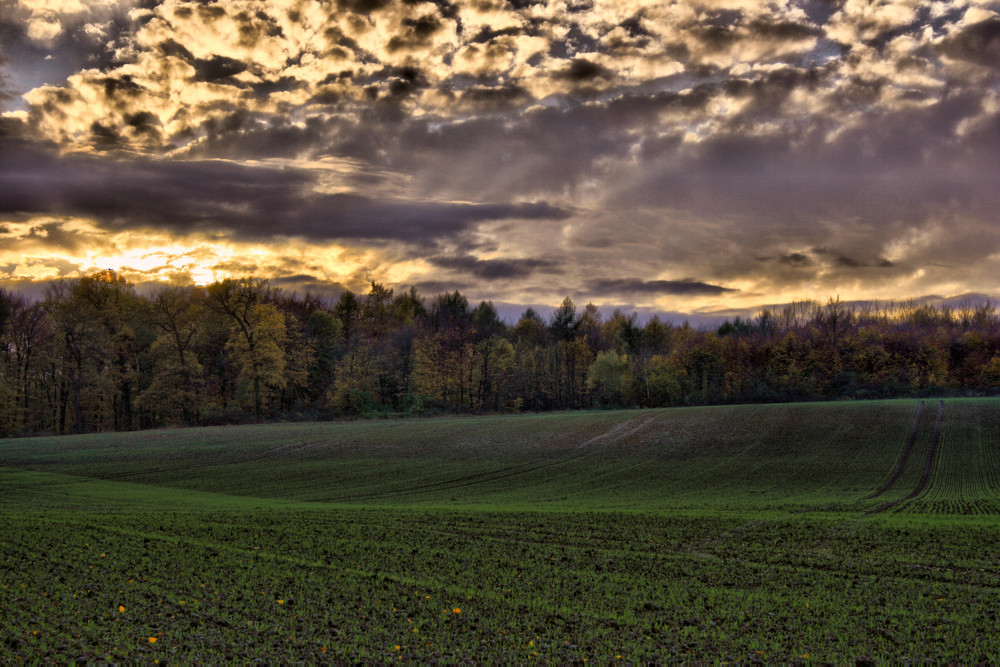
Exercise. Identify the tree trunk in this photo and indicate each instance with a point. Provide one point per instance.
(256, 398)
(77, 405)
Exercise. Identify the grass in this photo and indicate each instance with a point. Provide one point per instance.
(736, 533)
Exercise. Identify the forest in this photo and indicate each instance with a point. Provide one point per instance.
(96, 355)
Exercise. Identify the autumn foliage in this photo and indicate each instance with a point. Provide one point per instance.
(96, 355)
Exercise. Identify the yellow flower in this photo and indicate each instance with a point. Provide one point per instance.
(121, 608)
(457, 610)
(281, 602)
(152, 640)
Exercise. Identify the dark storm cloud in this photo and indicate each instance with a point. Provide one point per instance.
(242, 134)
(218, 69)
(144, 122)
(978, 43)
(716, 37)
(354, 216)
(885, 186)
(848, 262)
(768, 92)
(582, 70)
(687, 287)
(549, 149)
(55, 234)
(879, 171)
(10, 130)
(494, 269)
(172, 194)
(205, 196)
(781, 30)
(363, 6)
(506, 96)
(723, 31)
(170, 47)
(795, 259)
(297, 280)
(428, 287)
(488, 34)
(6, 94)
(416, 35)
(851, 262)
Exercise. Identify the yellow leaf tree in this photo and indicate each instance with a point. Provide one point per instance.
(257, 349)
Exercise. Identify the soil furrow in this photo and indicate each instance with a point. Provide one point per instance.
(928, 467)
(281, 450)
(615, 434)
(904, 455)
(620, 431)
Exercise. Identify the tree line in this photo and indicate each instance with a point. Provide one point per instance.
(95, 355)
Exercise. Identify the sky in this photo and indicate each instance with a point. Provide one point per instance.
(678, 157)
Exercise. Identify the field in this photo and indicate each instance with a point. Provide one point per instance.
(813, 532)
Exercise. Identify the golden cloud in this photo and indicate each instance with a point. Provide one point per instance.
(47, 248)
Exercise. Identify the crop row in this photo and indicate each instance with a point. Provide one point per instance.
(375, 585)
(807, 455)
(966, 471)
(641, 459)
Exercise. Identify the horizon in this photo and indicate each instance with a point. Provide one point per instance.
(511, 313)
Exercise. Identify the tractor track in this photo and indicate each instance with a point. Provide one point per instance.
(281, 450)
(615, 434)
(925, 478)
(621, 431)
(911, 439)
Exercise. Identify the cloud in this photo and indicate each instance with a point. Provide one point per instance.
(633, 286)
(248, 201)
(849, 262)
(218, 68)
(978, 43)
(507, 142)
(495, 269)
(356, 216)
(795, 259)
(581, 70)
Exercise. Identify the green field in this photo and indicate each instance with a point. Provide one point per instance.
(816, 532)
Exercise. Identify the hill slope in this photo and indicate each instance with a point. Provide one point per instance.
(860, 455)
(824, 532)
